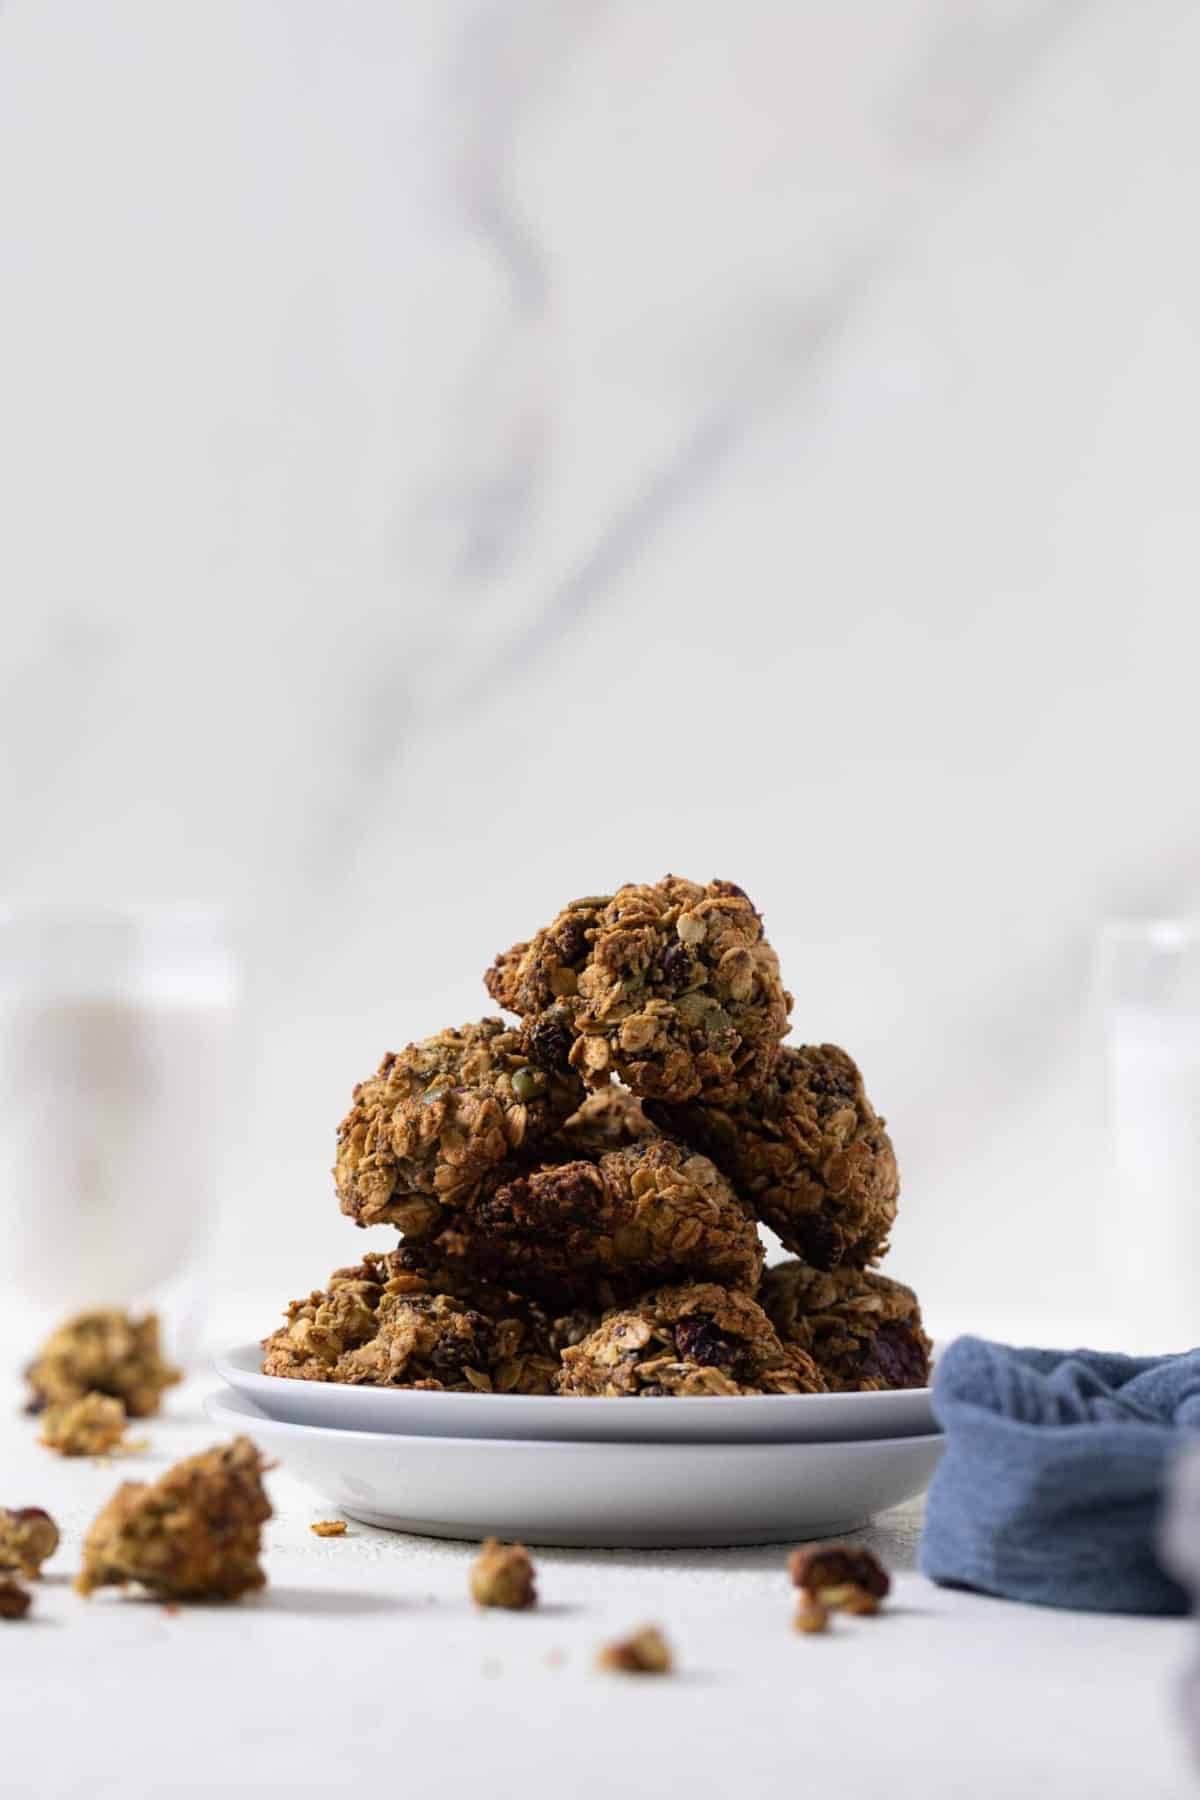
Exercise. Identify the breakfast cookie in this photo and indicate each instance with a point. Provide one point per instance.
(436, 1116)
(862, 1330)
(599, 1230)
(699, 1339)
(672, 987)
(194, 1534)
(808, 1151)
(378, 1324)
(104, 1351)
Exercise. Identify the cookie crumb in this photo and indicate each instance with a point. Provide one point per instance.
(503, 1575)
(15, 1600)
(811, 1616)
(841, 1578)
(194, 1534)
(28, 1538)
(328, 1528)
(644, 1652)
(104, 1351)
(91, 1426)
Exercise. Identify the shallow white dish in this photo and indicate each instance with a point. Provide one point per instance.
(606, 1495)
(741, 1419)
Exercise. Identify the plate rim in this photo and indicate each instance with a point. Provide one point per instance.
(220, 1400)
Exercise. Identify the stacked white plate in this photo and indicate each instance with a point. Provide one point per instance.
(597, 1472)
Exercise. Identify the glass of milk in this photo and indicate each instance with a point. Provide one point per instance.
(115, 1035)
(1150, 988)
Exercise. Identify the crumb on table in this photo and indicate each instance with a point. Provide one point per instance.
(644, 1652)
(838, 1577)
(503, 1575)
(28, 1538)
(15, 1600)
(324, 1528)
(90, 1426)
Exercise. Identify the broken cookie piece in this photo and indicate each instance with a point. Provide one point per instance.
(28, 1538)
(328, 1528)
(838, 1578)
(195, 1534)
(15, 1600)
(643, 1652)
(503, 1575)
(88, 1427)
(104, 1351)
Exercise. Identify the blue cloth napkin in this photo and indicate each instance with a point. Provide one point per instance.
(1052, 1479)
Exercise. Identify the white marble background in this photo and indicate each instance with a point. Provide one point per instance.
(460, 455)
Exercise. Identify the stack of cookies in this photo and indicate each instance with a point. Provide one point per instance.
(578, 1193)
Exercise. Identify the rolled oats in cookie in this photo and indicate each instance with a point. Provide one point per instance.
(808, 1151)
(699, 1339)
(104, 1351)
(379, 1324)
(435, 1117)
(602, 1229)
(195, 1534)
(863, 1330)
(671, 987)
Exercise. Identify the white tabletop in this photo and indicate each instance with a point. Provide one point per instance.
(364, 1668)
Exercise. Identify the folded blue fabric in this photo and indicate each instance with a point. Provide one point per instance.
(1052, 1479)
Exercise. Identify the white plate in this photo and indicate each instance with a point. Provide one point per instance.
(708, 1419)
(608, 1495)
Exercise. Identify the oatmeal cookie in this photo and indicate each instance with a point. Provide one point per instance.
(809, 1151)
(700, 1339)
(194, 1534)
(862, 1330)
(88, 1427)
(598, 1231)
(28, 1538)
(378, 1324)
(436, 1116)
(670, 986)
(104, 1351)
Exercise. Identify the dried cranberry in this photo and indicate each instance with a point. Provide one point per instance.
(898, 1357)
(697, 1340)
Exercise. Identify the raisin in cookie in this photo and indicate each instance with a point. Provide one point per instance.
(436, 1116)
(699, 1339)
(862, 1330)
(808, 1151)
(671, 986)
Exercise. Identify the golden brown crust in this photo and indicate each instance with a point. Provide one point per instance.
(698, 1339)
(378, 1324)
(194, 1534)
(28, 1538)
(810, 1153)
(594, 1232)
(104, 1351)
(671, 986)
(863, 1330)
(437, 1115)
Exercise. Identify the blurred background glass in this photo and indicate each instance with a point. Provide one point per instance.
(114, 1062)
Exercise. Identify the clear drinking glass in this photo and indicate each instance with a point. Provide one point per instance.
(1150, 989)
(115, 1033)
